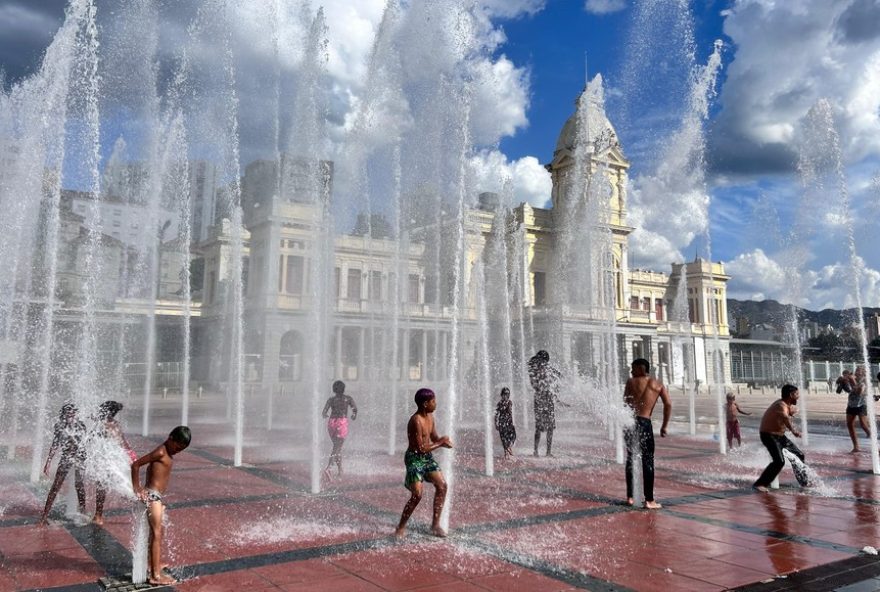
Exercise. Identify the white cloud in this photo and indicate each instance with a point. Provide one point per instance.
(501, 100)
(757, 275)
(788, 56)
(604, 6)
(530, 182)
(512, 8)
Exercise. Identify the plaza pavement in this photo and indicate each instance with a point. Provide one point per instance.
(542, 524)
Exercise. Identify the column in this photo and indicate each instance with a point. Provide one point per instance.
(283, 273)
(444, 361)
(361, 372)
(404, 347)
(424, 359)
(338, 366)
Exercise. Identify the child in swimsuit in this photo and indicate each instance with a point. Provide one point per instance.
(337, 425)
(504, 422)
(733, 421)
(69, 434)
(109, 432)
(420, 463)
(159, 464)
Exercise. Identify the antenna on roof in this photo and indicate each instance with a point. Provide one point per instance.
(586, 71)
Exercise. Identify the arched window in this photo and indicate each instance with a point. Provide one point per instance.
(290, 357)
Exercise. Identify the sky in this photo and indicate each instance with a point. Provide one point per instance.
(798, 82)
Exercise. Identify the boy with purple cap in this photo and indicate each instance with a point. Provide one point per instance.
(420, 463)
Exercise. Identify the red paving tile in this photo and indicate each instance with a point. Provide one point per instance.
(520, 581)
(344, 583)
(7, 581)
(298, 572)
(23, 540)
(52, 568)
(456, 587)
(407, 566)
(638, 549)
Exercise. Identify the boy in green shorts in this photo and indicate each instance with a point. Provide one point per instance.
(420, 463)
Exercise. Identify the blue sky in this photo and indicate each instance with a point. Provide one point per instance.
(779, 60)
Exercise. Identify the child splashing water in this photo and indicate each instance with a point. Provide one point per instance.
(110, 456)
(159, 464)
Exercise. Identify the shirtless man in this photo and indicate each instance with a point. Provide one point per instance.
(160, 462)
(420, 463)
(641, 394)
(775, 421)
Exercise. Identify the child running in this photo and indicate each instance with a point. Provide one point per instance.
(420, 463)
(69, 434)
(337, 425)
(159, 463)
(733, 421)
(504, 422)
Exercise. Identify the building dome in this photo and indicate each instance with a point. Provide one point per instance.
(601, 134)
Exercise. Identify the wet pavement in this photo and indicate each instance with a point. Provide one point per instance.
(537, 524)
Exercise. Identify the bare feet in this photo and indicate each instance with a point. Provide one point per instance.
(162, 580)
(854, 451)
(99, 520)
(399, 532)
(652, 506)
(550, 455)
(438, 532)
(42, 522)
(630, 502)
(760, 488)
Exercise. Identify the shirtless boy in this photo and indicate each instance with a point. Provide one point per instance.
(641, 394)
(733, 410)
(160, 462)
(420, 463)
(775, 421)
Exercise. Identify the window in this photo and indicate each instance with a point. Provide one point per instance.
(634, 302)
(646, 304)
(412, 288)
(375, 285)
(294, 283)
(290, 357)
(637, 350)
(336, 276)
(209, 289)
(393, 288)
(540, 287)
(658, 309)
(354, 284)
